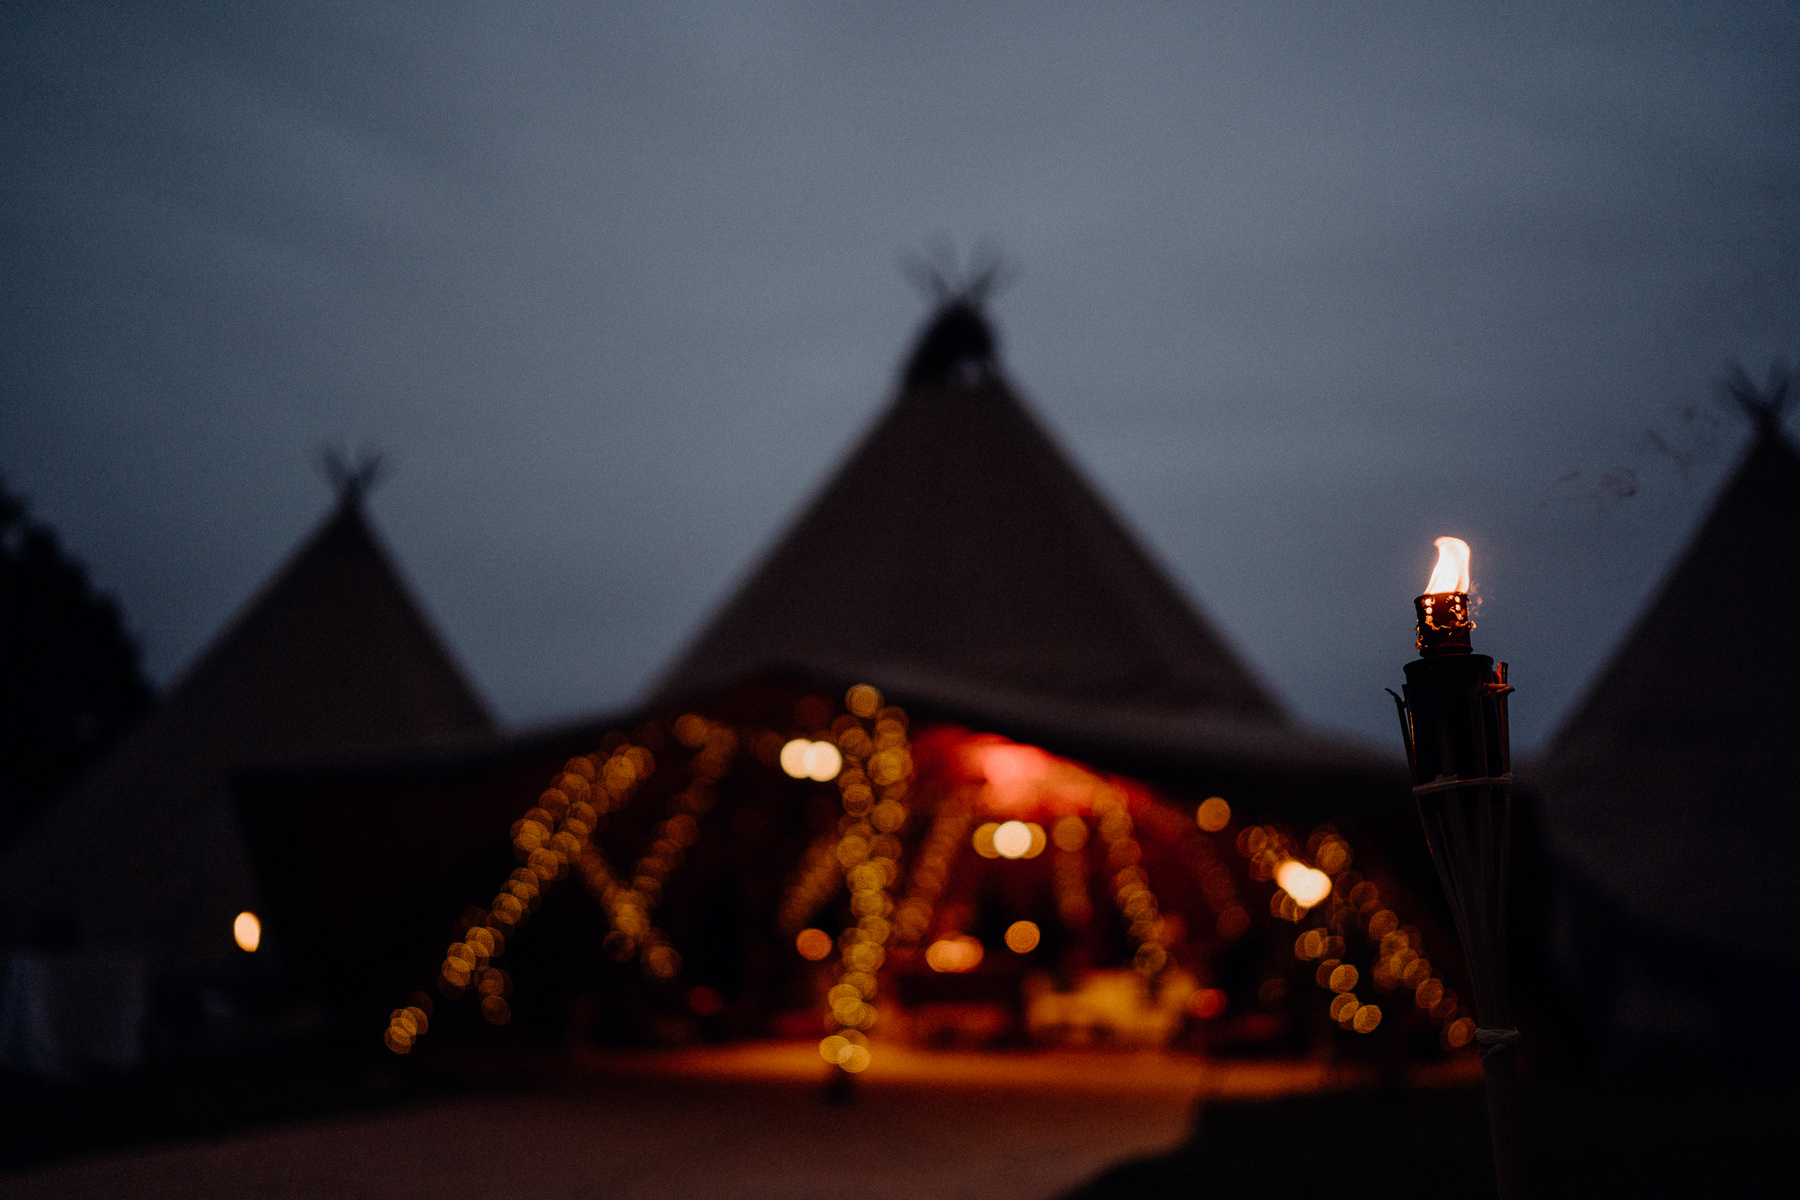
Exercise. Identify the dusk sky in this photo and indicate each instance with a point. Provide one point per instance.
(614, 288)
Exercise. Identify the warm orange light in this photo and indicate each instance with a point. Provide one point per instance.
(1012, 839)
(1022, 937)
(1214, 814)
(813, 944)
(247, 932)
(1071, 833)
(1452, 571)
(1013, 772)
(954, 955)
(1304, 884)
(1206, 1003)
(983, 839)
(793, 757)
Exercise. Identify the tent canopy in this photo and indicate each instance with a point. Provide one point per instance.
(1675, 788)
(958, 552)
(332, 658)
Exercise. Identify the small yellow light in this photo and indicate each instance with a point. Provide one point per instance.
(984, 840)
(954, 954)
(805, 759)
(1012, 839)
(793, 757)
(1039, 839)
(246, 930)
(863, 700)
(1022, 937)
(1304, 884)
(1071, 833)
(823, 761)
(1214, 814)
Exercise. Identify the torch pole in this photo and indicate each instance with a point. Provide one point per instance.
(1454, 718)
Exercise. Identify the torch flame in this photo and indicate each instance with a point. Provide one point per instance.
(1452, 571)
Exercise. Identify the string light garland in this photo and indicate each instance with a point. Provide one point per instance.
(1131, 885)
(867, 753)
(873, 786)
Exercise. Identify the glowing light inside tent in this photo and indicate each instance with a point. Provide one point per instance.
(1303, 883)
(1012, 839)
(954, 955)
(246, 930)
(805, 759)
(1013, 772)
(1452, 571)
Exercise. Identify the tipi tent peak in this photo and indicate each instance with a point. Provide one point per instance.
(959, 550)
(332, 658)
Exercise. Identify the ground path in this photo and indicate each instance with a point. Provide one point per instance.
(741, 1121)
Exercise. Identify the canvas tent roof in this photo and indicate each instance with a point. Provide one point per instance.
(332, 658)
(958, 562)
(1675, 788)
(959, 552)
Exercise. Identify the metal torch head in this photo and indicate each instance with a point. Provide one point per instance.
(1444, 623)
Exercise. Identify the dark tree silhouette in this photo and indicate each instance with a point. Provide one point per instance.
(70, 676)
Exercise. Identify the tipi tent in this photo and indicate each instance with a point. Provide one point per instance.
(958, 550)
(332, 659)
(959, 566)
(959, 559)
(1672, 795)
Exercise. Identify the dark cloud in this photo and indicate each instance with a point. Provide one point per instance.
(615, 288)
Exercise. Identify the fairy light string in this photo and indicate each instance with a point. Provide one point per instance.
(873, 786)
(863, 852)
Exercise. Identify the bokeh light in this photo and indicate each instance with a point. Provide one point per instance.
(1022, 937)
(1306, 885)
(1012, 839)
(822, 761)
(1070, 833)
(813, 944)
(1207, 1003)
(1214, 814)
(793, 757)
(954, 955)
(983, 840)
(863, 700)
(246, 931)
